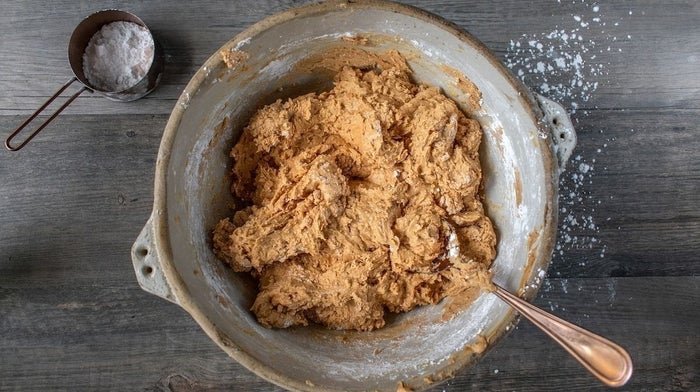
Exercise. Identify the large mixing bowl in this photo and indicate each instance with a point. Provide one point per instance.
(525, 141)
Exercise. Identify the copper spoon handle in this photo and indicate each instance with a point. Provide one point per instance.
(609, 362)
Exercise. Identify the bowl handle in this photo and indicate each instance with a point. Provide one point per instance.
(561, 129)
(149, 271)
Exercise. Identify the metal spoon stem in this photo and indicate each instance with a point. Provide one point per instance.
(609, 362)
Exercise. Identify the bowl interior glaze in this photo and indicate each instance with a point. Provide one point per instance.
(192, 194)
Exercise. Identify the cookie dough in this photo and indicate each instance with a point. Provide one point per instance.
(362, 200)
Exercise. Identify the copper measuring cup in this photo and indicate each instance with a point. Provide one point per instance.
(76, 48)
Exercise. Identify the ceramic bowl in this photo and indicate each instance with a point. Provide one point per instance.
(525, 139)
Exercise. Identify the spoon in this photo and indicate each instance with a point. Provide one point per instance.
(609, 362)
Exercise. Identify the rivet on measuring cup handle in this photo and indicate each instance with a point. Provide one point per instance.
(77, 46)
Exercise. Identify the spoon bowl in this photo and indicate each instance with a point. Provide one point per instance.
(606, 360)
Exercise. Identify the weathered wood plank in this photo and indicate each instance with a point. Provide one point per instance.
(633, 186)
(638, 195)
(111, 335)
(658, 65)
(34, 50)
(69, 215)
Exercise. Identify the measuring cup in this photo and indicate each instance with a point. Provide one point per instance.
(76, 48)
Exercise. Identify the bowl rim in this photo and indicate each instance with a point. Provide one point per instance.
(160, 220)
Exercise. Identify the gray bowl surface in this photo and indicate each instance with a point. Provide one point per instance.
(173, 258)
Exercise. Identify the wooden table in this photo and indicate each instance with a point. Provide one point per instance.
(72, 316)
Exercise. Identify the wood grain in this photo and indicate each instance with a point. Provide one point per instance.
(641, 191)
(659, 65)
(114, 336)
(72, 316)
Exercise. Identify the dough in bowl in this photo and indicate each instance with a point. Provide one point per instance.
(361, 200)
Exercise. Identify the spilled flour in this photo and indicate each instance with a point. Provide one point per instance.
(564, 63)
(567, 63)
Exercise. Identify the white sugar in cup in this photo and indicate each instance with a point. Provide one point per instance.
(118, 56)
(115, 54)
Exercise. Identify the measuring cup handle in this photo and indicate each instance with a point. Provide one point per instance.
(46, 122)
